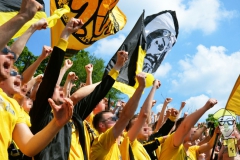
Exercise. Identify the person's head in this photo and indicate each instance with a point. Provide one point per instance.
(101, 106)
(12, 85)
(143, 135)
(7, 58)
(104, 120)
(27, 104)
(58, 95)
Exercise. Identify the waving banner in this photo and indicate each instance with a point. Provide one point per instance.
(101, 18)
(147, 44)
(161, 31)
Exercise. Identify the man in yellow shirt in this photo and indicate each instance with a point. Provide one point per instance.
(173, 147)
(105, 146)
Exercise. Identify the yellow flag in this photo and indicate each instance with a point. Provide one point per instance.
(101, 19)
(233, 102)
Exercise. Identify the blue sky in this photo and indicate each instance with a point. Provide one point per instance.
(205, 60)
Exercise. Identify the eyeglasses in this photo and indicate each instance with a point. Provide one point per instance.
(113, 119)
(14, 73)
(230, 122)
(5, 51)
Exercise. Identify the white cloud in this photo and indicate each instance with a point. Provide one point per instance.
(163, 70)
(109, 46)
(197, 102)
(209, 71)
(203, 15)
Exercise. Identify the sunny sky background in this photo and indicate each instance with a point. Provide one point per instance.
(205, 61)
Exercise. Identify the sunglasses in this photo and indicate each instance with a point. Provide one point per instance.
(5, 51)
(14, 73)
(230, 122)
(113, 119)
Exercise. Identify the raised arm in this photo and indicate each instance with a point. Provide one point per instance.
(67, 64)
(68, 83)
(209, 145)
(130, 108)
(89, 70)
(160, 119)
(18, 46)
(144, 112)
(40, 105)
(29, 72)
(11, 27)
(35, 87)
(189, 121)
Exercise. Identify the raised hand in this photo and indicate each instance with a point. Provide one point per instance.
(89, 68)
(210, 103)
(168, 100)
(74, 25)
(46, 51)
(122, 57)
(141, 78)
(62, 113)
(156, 83)
(41, 24)
(72, 76)
(39, 78)
(29, 8)
(182, 105)
(68, 63)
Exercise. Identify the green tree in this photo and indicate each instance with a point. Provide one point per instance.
(80, 59)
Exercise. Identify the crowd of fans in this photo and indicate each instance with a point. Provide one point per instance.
(42, 120)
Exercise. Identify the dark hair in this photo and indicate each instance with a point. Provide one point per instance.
(129, 125)
(97, 118)
(179, 121)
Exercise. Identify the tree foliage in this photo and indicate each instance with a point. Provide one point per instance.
(80, 59)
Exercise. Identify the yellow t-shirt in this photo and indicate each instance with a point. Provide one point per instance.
(170, 152)
(193, 152)
(28, 120)
(139, 151)
(105, 147)
(10, 115)
(76, 152)
(90, 122)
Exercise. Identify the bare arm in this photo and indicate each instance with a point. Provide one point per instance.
(11, 27)
(189, 121)
(89, 70)
(31, 144)
(181, 108)
(130, 108)
(68, 83)
(82, 92)
(18, 46)
(209, 145)
(160, 119)
(29, 72)
(145, 110)
(67, 64)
